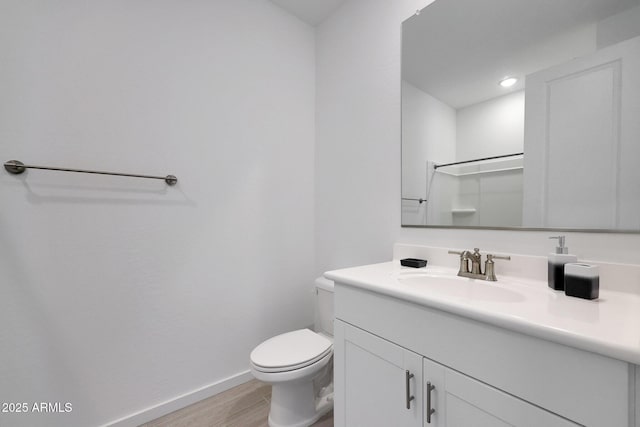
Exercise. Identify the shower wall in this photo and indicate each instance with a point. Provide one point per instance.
(491, 128)
(435, 133)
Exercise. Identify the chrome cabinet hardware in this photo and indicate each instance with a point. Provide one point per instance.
(408, 376)
(430, 410)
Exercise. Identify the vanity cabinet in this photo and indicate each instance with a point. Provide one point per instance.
(483, 375)
(383, 384)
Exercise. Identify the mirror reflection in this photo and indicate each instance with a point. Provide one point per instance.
(522, 114)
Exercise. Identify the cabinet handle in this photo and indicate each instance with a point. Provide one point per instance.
(430, 410)
(408, 376)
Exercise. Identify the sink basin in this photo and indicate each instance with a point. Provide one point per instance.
(458, 287)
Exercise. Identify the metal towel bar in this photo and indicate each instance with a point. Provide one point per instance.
(17, 167)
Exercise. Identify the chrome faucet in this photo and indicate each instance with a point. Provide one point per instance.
(476, 271)
(476, 259)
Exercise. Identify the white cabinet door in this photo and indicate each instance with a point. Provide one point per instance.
(461, 401)
(377, 383)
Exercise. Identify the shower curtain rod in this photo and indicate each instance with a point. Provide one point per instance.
(17, 167)
(476, 160)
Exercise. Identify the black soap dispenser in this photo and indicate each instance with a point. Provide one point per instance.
(557, 261)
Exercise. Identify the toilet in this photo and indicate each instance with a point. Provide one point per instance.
(299, 367)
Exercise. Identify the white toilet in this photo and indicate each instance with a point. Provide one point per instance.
(299, 366)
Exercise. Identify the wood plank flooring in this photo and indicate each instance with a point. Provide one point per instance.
(246, 405)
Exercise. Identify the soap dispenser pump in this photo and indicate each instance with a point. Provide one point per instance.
(557, 261)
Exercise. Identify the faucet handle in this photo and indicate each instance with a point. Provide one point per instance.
(464, 262)
(491, 257)
(489, 271)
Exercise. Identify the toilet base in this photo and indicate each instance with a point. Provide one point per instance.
(295, 405)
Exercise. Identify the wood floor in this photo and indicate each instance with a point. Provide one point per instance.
(246, 405)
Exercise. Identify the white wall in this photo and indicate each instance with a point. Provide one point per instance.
(491, 128)
(619, 27)
(119, 294)
(358, 152)
(428, 135)
(358, 132)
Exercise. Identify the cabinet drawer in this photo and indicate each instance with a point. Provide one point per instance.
(586, 387)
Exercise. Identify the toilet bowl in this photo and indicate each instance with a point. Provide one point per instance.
(299, 367)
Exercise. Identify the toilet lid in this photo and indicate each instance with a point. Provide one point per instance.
(292, 349)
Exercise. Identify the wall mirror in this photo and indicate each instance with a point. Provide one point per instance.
(522, 114)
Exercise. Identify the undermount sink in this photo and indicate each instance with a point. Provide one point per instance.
(447, 283)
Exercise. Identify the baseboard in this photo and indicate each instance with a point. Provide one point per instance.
(180, 402)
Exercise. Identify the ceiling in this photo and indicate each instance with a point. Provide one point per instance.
(457, 51)
(311, 11)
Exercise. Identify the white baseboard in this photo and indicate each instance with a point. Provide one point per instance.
(180, 402)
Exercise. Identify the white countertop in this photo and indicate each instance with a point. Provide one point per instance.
(609, 325)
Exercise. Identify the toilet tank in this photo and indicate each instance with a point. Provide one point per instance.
(324, 306)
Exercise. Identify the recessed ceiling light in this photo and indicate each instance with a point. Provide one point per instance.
(508, 81)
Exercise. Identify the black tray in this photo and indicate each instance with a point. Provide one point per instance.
(413, 262)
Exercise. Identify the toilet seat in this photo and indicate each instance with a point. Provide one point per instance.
(290, 351)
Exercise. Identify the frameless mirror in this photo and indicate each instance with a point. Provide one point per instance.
(522, 114)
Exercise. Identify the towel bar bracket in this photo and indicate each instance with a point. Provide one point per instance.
(15, 167)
